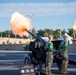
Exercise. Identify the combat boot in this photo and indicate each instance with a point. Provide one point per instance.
(47, 71)
(66, 72)
(62, 71)
(51, 73)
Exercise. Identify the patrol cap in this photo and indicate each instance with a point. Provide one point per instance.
(65, 36)
(50, 36)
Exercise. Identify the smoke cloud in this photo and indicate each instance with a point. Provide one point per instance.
(20, 23)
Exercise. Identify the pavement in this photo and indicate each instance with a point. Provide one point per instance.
(11, 61)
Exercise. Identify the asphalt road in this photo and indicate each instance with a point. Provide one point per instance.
(11, 61)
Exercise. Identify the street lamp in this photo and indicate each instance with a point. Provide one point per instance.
(60, 29)
(30, 37)
(1, 34)
(30, 16)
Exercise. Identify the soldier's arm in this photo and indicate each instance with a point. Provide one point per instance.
(65, 45)
(46, 45)
(51, 46)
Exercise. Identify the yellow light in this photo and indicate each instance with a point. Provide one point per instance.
(74, 26)
(27, 70)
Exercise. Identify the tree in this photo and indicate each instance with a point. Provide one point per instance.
(41, 32)
(63, 31)
(46, 34)
(34, 31)
(70, 32)
(56, 33)
(48, 31)
(7, 33)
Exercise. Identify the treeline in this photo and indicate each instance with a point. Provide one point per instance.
(56, 33)
(43, 33)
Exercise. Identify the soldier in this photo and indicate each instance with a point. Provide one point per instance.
(49, 55)
(63, 47)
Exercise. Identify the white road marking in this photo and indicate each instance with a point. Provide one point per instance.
(5, 51)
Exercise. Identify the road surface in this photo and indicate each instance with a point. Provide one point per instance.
(10, 61)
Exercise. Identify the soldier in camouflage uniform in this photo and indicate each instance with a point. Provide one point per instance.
(49, 55)
(63, 47)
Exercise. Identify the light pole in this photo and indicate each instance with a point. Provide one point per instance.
(60, 32)
(30, 16)
(30, 37)
(1, 34)
(74, 32)
(60, 29)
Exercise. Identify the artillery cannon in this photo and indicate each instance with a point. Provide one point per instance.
(38, 56)
(38, 53)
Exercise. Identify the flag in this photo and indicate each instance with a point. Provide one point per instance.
(74, 26)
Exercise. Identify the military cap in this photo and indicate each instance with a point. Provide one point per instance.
(65, 36)
(50, 36)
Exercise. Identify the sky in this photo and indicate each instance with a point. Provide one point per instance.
(50, 14)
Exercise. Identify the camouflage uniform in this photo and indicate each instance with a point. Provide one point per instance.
(49, 57)
(64, 64)
(64, 55)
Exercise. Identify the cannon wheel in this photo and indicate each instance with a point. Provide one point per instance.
(27, 59)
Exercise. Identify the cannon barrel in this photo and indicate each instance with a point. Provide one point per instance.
(41, 39)
(38, 38)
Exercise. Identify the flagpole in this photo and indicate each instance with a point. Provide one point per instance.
(74, 33)
(74, 29)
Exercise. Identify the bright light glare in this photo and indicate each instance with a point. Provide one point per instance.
(32, 70)
(22, 71)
